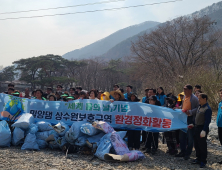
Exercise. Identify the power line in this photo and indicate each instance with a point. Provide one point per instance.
(111, 9)
(34, 10)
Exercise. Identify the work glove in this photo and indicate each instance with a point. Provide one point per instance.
(190, 126)
(202, 134)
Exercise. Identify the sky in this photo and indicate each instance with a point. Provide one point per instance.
(24, 38)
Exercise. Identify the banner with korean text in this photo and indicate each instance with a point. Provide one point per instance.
(121, 115)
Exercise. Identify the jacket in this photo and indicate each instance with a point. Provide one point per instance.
(161, 98)
(144, 99)
(203, 116)
(219, 115)
(194, 106)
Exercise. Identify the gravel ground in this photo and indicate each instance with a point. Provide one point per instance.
(16, 159)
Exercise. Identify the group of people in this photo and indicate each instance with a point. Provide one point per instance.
(193, 102)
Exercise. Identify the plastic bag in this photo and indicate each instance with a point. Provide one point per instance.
(88, 129)
(103, 147)
(42, 143)
(30, 143)
(118, 144)
(74, 132)
(33, 128)
(81, 141)
(61, 141)
(18, 136)
(44, 126)
(24, 121)
(5, 134)
(61, 128)
(46, 134)
(96, 138)
(104, 126)
(53, 145)
(135, 155)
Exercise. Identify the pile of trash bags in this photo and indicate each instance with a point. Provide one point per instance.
(98, 138)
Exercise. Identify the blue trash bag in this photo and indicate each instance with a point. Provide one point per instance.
(53, 144)
(18, 136)
(103, 147)
(46, 134)
(24, 121)
(44, 126)
(61, 141)
(96, 138)
(5, 134)
(30, 143)
(88, 129)
(33, 129)
(61, 128)
(42, 143)
(81, 141)
(74, 132)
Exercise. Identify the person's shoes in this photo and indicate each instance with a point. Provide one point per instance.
(181, 154)
(195, 161)
(130, 148)
(220, 162)
(186, 157)
(148, 151)
(202, 165)
(173, 152)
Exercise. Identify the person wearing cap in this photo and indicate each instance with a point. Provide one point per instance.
(39, 94)
(105, 96)
(146, 95)
(171, 135)
(133, 135)
(128, 91)
(115, 87)
(219, 120)
(161, 95)
(16, 93)
(152, 137)
(64, 96)
(118, 96)
(189, 107)
(180, 99)
(69, 98)
(202, 122)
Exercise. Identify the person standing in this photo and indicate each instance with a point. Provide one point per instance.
(219, 121)
(202, 121)
(27, 93)
(146, 95)
(161, 95)
(189, 107)
(128, 91)
(133, 135)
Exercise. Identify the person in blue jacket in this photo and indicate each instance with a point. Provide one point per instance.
(146, 95)
(161, 95)
(219, 121)
(128, 92)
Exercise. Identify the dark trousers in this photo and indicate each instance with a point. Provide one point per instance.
(171, 140)
(200, 145)
(220, 134)
(152, 140)
(187, 141)
(134, 138)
